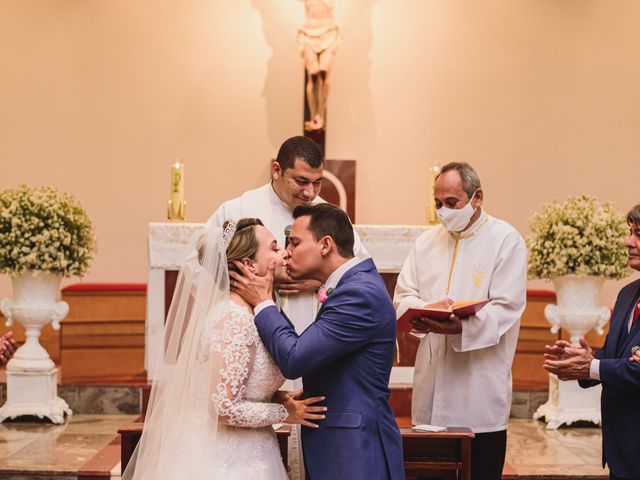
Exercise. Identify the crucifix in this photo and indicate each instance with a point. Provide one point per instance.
(318, 40)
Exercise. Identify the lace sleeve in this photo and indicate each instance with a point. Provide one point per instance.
(234, 352)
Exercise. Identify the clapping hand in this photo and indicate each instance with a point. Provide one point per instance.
(567, 361)
(450, 326)
(8, 347)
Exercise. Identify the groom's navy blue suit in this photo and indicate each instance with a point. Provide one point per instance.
(345, 355)
(620, 378)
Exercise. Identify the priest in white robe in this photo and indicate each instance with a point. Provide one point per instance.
(296, 179)
(462, 375)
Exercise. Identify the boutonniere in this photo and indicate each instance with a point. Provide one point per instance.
(323, 294)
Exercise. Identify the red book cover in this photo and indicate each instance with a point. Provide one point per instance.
(462, 309)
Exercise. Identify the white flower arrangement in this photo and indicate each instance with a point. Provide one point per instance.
(44, 229)
(579, 236)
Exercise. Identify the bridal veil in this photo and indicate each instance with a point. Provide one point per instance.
(181, 424)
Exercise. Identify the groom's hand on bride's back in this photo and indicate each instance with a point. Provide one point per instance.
(302, 410)
(251, 287)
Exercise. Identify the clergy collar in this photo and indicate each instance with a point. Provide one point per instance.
(473, 229)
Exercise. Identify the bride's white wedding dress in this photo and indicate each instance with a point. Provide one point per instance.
(246, 446)
(210, 414)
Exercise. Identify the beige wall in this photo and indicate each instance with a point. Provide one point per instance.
(98, 97)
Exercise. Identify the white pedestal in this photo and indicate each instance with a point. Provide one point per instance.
(34, 393)
(569, 403)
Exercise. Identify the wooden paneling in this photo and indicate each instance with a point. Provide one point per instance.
(344, 172)
(170, 280)
(103, 336)
(535, 333)
(400, 400)
(407, 346)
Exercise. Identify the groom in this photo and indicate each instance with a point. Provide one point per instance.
(345, 355)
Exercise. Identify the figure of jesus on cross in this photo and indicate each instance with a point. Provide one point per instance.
(318, 41)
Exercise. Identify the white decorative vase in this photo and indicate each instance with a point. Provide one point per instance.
(32, 377)
(577, 312)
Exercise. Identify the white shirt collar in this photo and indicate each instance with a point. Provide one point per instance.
(335, 277)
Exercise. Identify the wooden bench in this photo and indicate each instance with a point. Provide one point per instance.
(436, 454)
(426, 454)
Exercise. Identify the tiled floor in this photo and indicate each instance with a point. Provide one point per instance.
(38, 449)
(535, 452)
(41, 450)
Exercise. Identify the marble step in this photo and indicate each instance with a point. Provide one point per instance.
(99, 399)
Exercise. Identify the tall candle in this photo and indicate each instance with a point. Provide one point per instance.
(432, 218)
(177, 183)
(176, 202)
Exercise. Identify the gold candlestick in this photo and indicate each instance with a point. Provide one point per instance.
(432, 218)
(177, 205)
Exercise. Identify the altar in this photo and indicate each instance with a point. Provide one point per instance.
(388, 245)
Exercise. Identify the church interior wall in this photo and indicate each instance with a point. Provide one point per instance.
(99, 97)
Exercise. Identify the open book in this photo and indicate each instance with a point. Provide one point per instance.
(463, 309)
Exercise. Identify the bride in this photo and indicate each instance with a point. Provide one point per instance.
(215, 401)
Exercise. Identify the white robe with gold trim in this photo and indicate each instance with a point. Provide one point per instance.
(464, 380)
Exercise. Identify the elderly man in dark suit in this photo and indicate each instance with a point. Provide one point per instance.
(615, 367)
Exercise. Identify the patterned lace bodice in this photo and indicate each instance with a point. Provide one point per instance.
(248, 376)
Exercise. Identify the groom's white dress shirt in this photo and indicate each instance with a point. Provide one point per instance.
(331, 282)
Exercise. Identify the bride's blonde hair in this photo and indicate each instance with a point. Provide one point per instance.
(244, 243)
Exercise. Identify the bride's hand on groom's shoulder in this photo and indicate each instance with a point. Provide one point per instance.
(302, 410)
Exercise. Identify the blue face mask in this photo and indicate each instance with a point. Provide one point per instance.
(456, 219)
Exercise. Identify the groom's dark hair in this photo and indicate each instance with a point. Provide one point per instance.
(327, 219)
